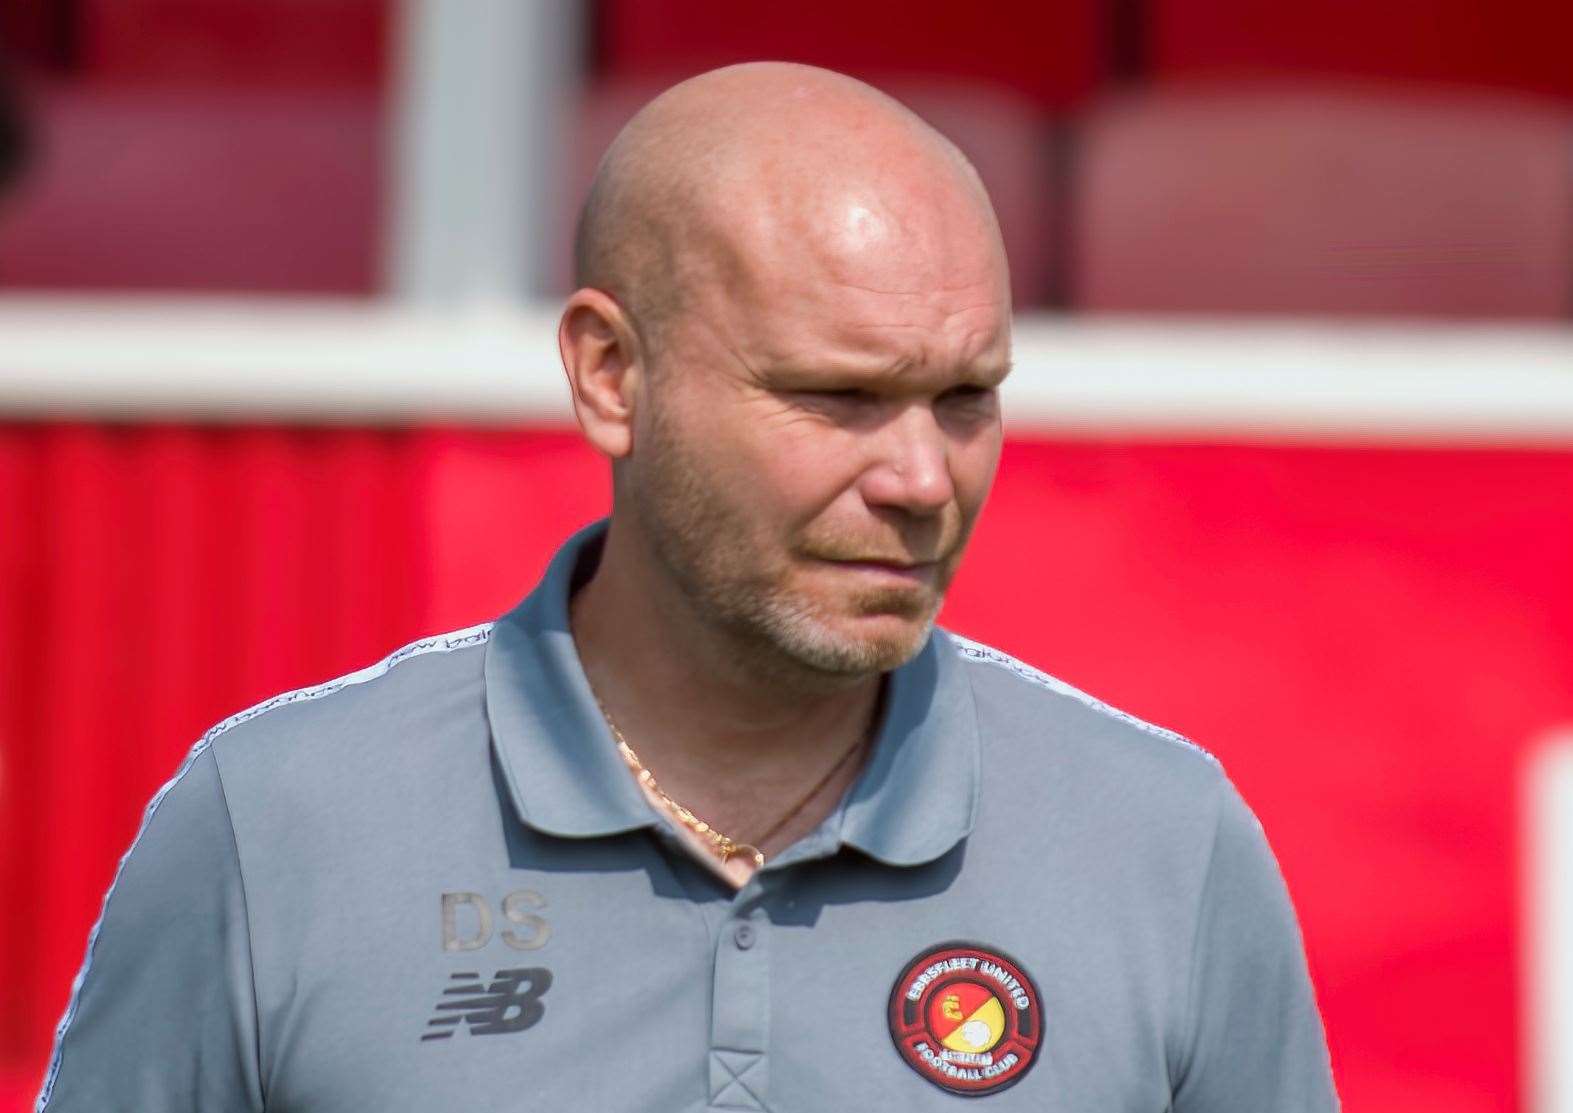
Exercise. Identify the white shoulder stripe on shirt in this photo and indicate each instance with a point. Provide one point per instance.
(977, 651)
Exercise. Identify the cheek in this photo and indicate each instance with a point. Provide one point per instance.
(793, 483)
(973, 466)
(757, 479)
(797, 464)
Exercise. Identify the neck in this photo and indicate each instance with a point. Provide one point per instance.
(735, 738)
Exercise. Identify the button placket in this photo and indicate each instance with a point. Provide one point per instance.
(740, 1015)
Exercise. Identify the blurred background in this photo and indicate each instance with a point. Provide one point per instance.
(1290, 452)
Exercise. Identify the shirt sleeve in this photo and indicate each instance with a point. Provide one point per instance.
(163, 1015)
(1256, 1039)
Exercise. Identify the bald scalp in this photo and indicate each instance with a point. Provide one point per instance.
(746, 151)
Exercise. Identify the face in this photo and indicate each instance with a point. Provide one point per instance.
(820, 429)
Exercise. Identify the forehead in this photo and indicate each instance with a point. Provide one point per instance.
(860, 279)
(867, 337)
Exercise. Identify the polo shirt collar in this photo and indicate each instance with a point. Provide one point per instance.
(916, 798)
(556, 752)
(918, 795)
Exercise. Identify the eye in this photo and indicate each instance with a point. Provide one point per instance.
(844, 397)
(968, 394)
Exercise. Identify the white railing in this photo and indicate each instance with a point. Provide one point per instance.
(1548, 956)
(326, 360)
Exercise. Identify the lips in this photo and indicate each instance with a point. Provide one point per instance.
(898, 562)
(898, 569)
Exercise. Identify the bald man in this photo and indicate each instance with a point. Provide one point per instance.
(717, 818)
(791, 358)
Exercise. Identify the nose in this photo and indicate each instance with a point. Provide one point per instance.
(910, 470)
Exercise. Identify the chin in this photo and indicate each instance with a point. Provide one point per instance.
(859, 646)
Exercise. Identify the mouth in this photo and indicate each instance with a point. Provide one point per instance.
(912, 572)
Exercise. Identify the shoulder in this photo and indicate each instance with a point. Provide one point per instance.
(1027, 716)
(411, 683)
(1077, 790)
(336, 762)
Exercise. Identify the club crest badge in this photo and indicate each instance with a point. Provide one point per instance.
(967, 1018)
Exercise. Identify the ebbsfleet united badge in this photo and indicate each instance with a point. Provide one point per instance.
(967, 1018)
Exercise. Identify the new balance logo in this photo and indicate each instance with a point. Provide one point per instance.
(511, 1003)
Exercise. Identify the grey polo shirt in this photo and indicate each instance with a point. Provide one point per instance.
(433, 885)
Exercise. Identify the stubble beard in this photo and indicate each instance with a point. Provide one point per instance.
(706, 546)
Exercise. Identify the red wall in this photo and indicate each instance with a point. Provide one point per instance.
(1369, 639)
(1509, 44)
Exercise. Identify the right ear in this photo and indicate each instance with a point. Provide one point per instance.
(605, 365)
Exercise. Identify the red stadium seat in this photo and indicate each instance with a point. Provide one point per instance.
(1508, 44)
(1007, 138)
(1053, 54)
(224, 190)
(1341, 201)
(230, 44)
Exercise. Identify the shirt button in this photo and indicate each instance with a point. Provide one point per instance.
(743, 936)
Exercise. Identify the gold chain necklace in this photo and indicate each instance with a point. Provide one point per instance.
(724, 846)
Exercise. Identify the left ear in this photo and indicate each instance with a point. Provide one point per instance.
(604, 362)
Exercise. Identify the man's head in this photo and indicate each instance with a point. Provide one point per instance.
(793, 315)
